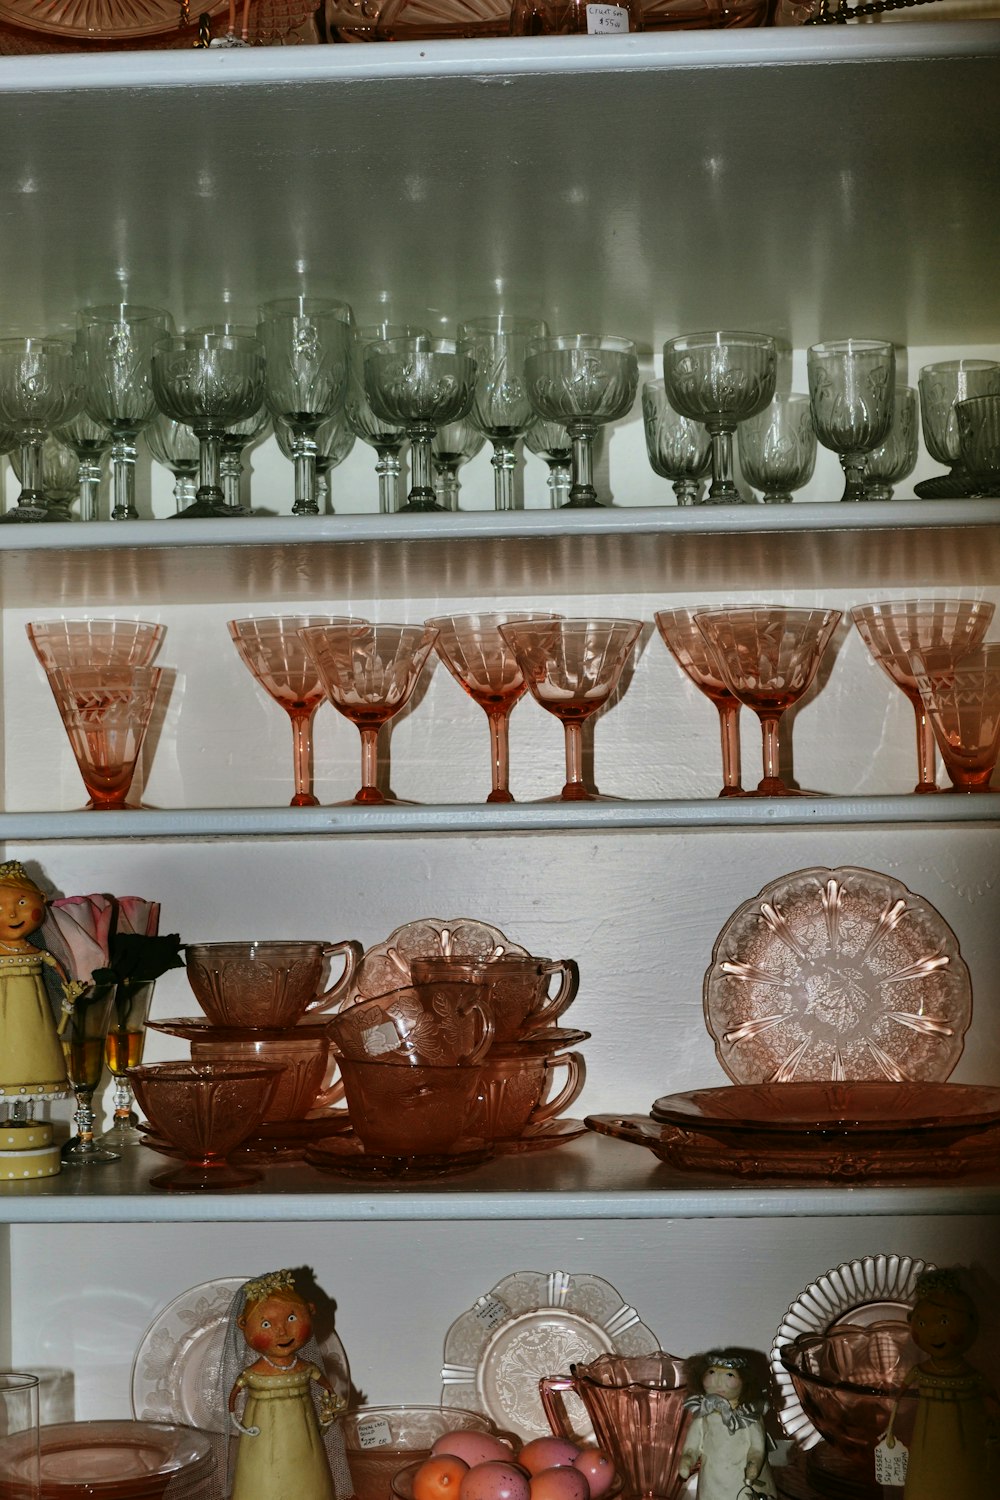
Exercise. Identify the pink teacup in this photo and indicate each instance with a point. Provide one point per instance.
(409, 1110)
(269, 984)
(518, 992)
(517, 1090)
(434, 1024)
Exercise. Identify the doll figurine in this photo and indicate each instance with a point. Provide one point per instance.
(955, 1422)
(289, 1447)
(725, 1441)
(31, 1058)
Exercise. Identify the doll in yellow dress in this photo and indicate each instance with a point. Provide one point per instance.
(31, 1059)
(289, 1445)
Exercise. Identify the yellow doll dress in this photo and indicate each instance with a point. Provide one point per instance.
(31, 1060)
(949, 1452)
(287, 1459)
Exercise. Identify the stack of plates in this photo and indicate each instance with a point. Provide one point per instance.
(112, 1461)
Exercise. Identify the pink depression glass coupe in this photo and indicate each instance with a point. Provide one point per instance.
(697, 660)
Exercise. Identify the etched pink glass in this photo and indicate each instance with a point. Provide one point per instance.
(269, 984)
(962, 702)
(894, 629)
(769, 658)
(697, 660)
(62, 645)
(482, 663)
(106, 712)
(205, 1110)
(436, 1022)
(369, 673)
(848, 1381)
(273, 652)
(516, 987)
(572, 667)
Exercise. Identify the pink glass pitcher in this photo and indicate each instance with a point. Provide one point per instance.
(636, 1406)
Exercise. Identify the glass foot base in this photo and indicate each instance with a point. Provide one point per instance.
(77, 1153)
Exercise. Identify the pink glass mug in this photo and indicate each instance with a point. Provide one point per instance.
(518, 997)
(516, 1090)
(436, 1024)
(266, 984)
(636, 1406)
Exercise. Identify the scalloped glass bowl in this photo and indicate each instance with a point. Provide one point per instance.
(848, 1379)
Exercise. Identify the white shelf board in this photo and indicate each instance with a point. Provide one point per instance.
(592, 1178)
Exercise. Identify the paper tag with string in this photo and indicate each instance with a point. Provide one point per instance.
(890, 1463)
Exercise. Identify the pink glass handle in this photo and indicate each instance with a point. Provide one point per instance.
(326, 1097)
(484, 1041)
(549, 1388)
(576, 1075)
(564, 996)
(353, 953)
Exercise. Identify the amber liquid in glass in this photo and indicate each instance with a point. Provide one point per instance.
(123, 1049)
(84, 1061)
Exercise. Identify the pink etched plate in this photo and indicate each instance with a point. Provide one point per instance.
(386, 966)
(111, 1460)
(837, 974)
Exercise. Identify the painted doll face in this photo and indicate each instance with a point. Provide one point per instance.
(278, 1326)
(21, 912)
(720, 1380)
(942, 1326)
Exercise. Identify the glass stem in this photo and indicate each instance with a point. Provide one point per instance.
(574, 790)
(686, 491)
(122, 1100)
(853, 465)
(302, 748)
(729, 729)
(231, 471)
(83, 1119)
(304, 460)
(209, 483)
(123, 477)
(582, 494)
(722, 490)
(421, 496)
(369, 766)
(504, 463)
(926, 752)
(88, 478)
(560, 479)
(185, 489)
(31, 500)
(387, 469)
(323, 487)
(446, 484)
(772, 782)
(499, 758)
(778, 497)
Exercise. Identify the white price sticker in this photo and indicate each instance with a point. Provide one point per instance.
(890, 1463)
(606, 20)
(374, 1433)
(491, 1311)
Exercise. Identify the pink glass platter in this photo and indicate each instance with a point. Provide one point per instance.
(111, 1460)
(346, 1157)
(837, 974)
(386, 966)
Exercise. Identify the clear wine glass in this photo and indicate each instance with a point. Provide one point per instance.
(419, 383)
(550, 442)
(769, 658)
(272, 650)
(39, 389)
(582, 381)
(698, 661)
(60, 477)
(851, 383)
(334, 440)
(174, 445)
(486, 667)
(572, 667)
(90, 442)
(387, 438)
(501, 408)
(210, 381)
(115, 344)
(307, 342)
(895, 459)
(369, 672)
(778, 448)
(83, 1036)
(720, 379)
(941, 386)
(678, 449)
(454, 445)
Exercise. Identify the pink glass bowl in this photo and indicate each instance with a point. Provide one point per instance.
(301, 1052)
(380, 1440)
(65, 645)
(205, 1110)
(848, 1379)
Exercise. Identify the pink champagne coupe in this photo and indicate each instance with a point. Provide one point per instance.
(62, 645)
(769, 658)
(697, 660)
(273, 651)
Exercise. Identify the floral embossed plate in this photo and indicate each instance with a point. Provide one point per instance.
(386, 967)
(837, 974)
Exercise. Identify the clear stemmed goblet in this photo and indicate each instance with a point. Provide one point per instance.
(769, 658)
(273, 652)
(83, 1033)
(582, 381)
(419, 383)
(39, 389)
(105, 712)
(210, 381)
(941, 386)
(501, 408)
(678, 449)
(123, 1049)
(90, 441)
(115, 345)
(550, 442)
(697, 660)
(894, 629)
(307, 342)
(979, 442)
(454, 444)
(851, 383)
(720, 379)
(572, 667)
(387, 438)
(482, 662)
(778, 448)
(962, 701)
(175, 446)
(334, 440)
(892, 461)
(60, 477)
(369, 673)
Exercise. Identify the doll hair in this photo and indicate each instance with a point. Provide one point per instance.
(697, 1367)
(943, 1288)
(14, 877)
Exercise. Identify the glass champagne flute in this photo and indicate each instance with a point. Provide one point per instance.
(769, 658)
(123, 1049)
(778, 448)
(387, 438)
(83, 1036)
(485, 666)
(420, 384)
(501, 408)
(942, 386)
(851, 384)
(678, 449)
(698, 661)
(90, 442)
(895, 459)
(454, 444)
(39, 389)
(550, 442)
(572, 667)
(720, 379)
(582, 381)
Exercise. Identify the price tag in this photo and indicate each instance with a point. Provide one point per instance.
(605, 20)
(490, 1311)
(380, 1039)
(374, 1433)
(890, 1463)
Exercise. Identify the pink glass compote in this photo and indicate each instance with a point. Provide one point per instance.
(962, 702)
(204, 1110)
(894, 629)
(482, 663)
(697, 660)
(106, 712)
(273, 652)
(369, 673)
(572, 667)
(769, 658)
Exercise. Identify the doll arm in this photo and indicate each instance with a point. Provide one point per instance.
(330, 1404)
(692, 1451)
(233, 1418)
(756, 1453)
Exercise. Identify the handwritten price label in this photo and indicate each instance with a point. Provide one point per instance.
(375, 1433)
(890, 1463)
(490, 1311)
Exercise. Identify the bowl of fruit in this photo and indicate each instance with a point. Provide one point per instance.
(473, 1466)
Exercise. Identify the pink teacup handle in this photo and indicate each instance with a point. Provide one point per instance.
(549, 1388)
(484, 1038)
(576, 1075)
(564, 995)
(353, 953)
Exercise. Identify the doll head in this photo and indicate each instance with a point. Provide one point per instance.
(276, 1320)
(722, 1372)
(22, 903)
(944, 1322)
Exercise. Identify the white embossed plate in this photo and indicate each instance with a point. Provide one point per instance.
(386, 966)
(837, 974)
(175, 1373)
(535, 1323)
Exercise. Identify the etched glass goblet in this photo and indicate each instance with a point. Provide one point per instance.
(851, 384)
(697, 660)
(369, 672)
(334, 440)
(454, 445)
(572, 667)
(307, 343)
(979, 441)
(60, 482)
(550, 442)
(769, 658)
(210, 381)
(115, 344)
(582, 381)
(720, 379)
(941, 386)
(105, 712)
(962, 701)
(273, 652)
(895, 629)
(82, 1036)
(678, 449)
(175, 446)
(39, 389)
(778, 448)
(90, 442)
(485, 666)
(501, 407)
(892, 461)
(387, 438)
(419, 383)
